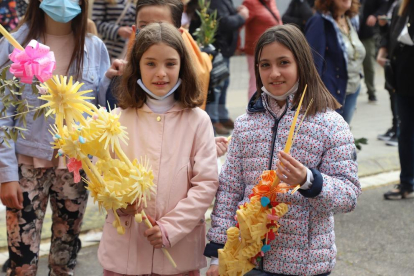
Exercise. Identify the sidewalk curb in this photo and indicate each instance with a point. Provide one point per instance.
(379, 165)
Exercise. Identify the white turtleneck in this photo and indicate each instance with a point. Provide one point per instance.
(161, 106)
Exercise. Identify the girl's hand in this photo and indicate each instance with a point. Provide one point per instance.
(154, 236)
(213, 270)
(132, 209)
(292, 172)
(12, 195)
(221, 146)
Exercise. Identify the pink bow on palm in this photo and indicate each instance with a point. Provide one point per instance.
(35, 60)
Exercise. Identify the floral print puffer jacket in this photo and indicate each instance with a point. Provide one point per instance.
(306, 241)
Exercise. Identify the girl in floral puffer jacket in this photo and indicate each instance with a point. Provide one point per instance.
(322, 159)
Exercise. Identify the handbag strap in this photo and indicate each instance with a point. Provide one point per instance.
(274, 15)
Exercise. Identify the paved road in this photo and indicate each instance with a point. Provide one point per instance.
(375, 239)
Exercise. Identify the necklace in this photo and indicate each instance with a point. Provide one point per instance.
(349, 36)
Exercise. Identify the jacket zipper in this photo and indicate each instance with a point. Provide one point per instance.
(274, 130)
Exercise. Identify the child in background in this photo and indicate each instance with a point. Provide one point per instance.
(158, 97)
(322, 160)
(29, 172)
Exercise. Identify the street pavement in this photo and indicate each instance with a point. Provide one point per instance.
(375, 239)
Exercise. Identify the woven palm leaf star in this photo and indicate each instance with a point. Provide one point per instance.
(111, 127)
(66, 101)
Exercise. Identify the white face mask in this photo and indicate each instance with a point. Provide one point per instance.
(284, 96)
(160, 98)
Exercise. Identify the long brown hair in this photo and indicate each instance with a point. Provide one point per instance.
(328, 6)
(130, 94)
(293, 39)
(35, 18)
(403, 7)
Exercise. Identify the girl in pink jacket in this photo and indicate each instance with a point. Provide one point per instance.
(322, 160)
(159, 97)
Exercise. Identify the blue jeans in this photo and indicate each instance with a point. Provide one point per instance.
(217, 110)
(405, 109)
(349, 107)
(256, 272)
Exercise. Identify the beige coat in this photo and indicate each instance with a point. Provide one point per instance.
(181, 149)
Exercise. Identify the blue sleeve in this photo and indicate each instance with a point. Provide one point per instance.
(227, 22)
(316, 37)
(103, 80)
(8, 159)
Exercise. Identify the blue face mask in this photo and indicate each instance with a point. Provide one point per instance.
(61, 10)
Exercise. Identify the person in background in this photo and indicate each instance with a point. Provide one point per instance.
(397, 46)
(298, 13)
(391, 135)
(30, 172)
(263, 14)
(370, 10)
(114, 20)
(338, 52)
(8, 15)
(230, 20)
(185, 19)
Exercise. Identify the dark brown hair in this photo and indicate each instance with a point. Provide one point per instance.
(35, 18)
(130, 94)
(328, 6)
(176, 8)
(293, 39)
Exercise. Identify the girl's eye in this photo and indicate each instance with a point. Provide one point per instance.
(142, 26)
(263, 65)
(170, 64)
(150, 63)
(284, 62)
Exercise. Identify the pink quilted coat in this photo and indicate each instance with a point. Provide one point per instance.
(306, 241)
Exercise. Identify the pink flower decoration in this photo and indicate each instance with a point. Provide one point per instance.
(36, 60)
(74, 166)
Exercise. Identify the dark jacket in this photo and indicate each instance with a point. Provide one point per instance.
(298, 13)
(228, 26)
(400, 55)
(370, 7)
(328, 55)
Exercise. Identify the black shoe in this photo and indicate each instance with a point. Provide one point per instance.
(399, 193)
(372, 99)
(387, 135)
(393, 141)
(6, 265)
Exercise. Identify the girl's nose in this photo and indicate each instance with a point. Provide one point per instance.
(275, 72)
(161, 73)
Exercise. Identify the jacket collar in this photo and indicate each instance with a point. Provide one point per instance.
(261, 105)
(176, 108)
